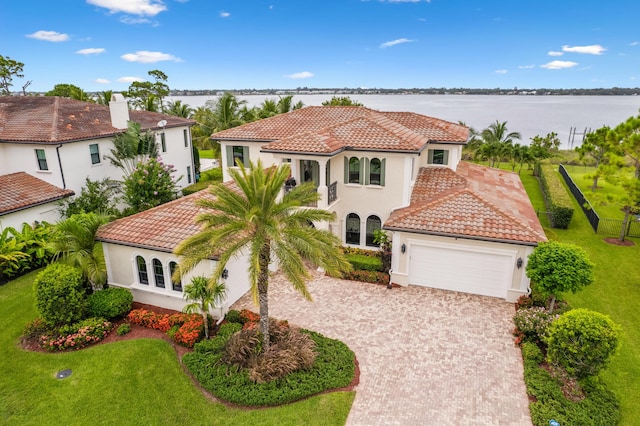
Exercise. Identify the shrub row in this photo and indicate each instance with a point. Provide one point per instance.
(110, 303)
(367, 276)
(185, 329)
(207, 178)
(556, 198)
(362, 262)
(333, 368)
(599, 407)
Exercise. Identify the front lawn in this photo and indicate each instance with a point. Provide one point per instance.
(116, 383)
(615, 292)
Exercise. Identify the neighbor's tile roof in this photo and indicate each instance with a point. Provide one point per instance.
(475, 201)
(326, 130)
(19, 191)
(52, 119)
(160, 228)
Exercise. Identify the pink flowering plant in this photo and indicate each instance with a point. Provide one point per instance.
(150, 184)
(532, 323)
(76, 336)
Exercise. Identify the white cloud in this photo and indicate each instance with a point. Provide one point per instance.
(147, 57)
(49, 36)
(129, 79)
(502, 71)
(90, 51)
(558, 65)
(594, 49)
(224, 14)
(102, 81)
(634, 43)
(526, 67)
(133, 7)
(132, 21)
(395, 42)
(299, 75)
(555, 53)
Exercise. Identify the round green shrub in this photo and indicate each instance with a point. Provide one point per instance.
(60, 297)
(234, 316)
(582, 341)
(110, 303)
(123, 329)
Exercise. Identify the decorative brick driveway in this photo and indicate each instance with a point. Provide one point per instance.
(427, 357)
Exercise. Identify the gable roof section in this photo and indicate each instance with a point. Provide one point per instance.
(327, 130)
(20, 191)
(52, 119)
(473, 202)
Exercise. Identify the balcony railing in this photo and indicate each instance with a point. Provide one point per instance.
(333, 192)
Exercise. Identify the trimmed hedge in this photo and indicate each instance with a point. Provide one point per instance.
(363, 262)
(556, 198)
(60, 296)
(110, 303)
(334, 368)
(599, 407)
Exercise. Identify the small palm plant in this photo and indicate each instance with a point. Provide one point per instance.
(203, 298)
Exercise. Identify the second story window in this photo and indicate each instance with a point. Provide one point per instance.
(438, 156)
(94, 150)
(237, 154)
(352, 168)
(163, 142)
(41, 156)
(185, 134)
(376, 172)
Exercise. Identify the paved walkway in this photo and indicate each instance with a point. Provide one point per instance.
(427, 357)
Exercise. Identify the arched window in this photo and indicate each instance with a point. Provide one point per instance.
(175, 284)
(143, 277)
(353, 229)
(354, 170)
(373, 224)
(158, 273)
(376, 172)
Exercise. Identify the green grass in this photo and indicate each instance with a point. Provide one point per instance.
(206, 153)
(129, 382)
(615, 292)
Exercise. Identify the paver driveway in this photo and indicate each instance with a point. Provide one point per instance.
(427, 357)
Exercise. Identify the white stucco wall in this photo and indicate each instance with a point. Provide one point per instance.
(254, 154)
(48, 212)
(75, 159)
(122, 272)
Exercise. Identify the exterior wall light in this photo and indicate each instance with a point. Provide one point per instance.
(403, 248)
(225, 274)
(519, 263)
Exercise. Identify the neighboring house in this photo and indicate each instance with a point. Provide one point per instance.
(455, 226)
(63, 141)
(27, 199)
(138, 251)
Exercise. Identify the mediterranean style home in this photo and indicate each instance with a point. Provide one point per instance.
(63, 141)
(454, 225)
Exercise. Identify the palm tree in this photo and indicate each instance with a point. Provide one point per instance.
(103, 98)
(132, 147)
(285, 104)
(226, 110)
(497, 138)
(74, 242)
(178, 109)
(268, 108)
(203, 298)
(257, 220)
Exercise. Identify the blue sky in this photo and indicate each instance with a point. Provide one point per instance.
(211, 44)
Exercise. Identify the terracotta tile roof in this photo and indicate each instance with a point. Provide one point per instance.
(160, 228)
(331, 129)
(475, 201)
(51, 119)
(19, 191)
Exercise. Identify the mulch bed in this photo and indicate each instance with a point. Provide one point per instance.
(617, 242)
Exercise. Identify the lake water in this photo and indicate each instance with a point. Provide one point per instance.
(529, 115)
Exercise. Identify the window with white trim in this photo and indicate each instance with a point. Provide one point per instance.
(141, 265)
(438, 156)
(176, 285)
(94, 151)
(375, 171)
(352, 229)
(158, 273)
(373, 224)
(41, 156)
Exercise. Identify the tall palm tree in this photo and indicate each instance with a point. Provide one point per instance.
(178, 109)
(285, 104)
(226, 110)
(132, 147)
(203, 298)
(103, 98)
(268, 108)
(257, 220)
(497, 137)
(74, 242)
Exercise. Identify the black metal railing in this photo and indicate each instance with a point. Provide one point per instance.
(585, 205)
(333, 192)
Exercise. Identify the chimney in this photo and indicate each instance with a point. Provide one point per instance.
(119, 110)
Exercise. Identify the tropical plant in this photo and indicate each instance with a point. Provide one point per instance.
(596, 146)
(149, 184)
(99, 196)
(543, 147)
(74, 242)
(497, 142)
(178, 109)
(557, 267)
(21, 251)
(341, 101)
(132, 147)
(582, 341)
(103, 98)
(203, 297)
(12, 253)
(226, 112)
(258, 220)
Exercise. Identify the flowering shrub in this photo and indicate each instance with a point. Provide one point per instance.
(76, 336)
(149, 185)
(190, 327)
(367, 276)
(532, 323)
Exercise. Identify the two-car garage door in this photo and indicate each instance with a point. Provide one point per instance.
(459, 269)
